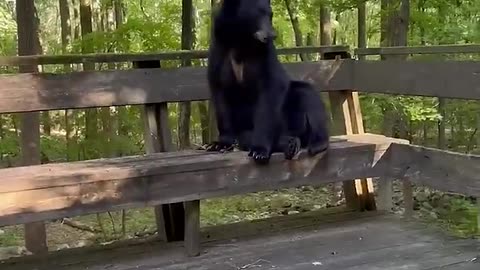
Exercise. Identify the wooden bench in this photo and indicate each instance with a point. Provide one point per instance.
(52, 191)
(149, 85)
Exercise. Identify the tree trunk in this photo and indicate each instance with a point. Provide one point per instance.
(188, 32)
(108, 18)
(66, 31)
(119, 10)
(66, 28)
(310, 42)
(362, 25)
(45, 116)
(204, 118)
(325, 25)
(212, 121)
(2, 134)
(76, 19)
(441, 124)
(293, 15)
(91, 121)
(28, 44)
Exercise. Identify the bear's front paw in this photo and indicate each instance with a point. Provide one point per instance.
(219, 147)
(260, 157)
(292, 148)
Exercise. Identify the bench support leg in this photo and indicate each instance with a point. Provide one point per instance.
(174, 221)
(192, 228)
(408, 198)
(36, 238)
(385, 194)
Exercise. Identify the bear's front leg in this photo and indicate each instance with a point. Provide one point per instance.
(268, 121)
(226, 138)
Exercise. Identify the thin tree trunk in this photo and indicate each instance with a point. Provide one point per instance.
(212, 121)
(107, 124)
(66, 31)
(325, 26)
(441, 124)
(76, 19)
(395, 33)
(293, 15)
(204, 115)
(91, 121)
(119, 10)
(66, 28)
(2, 133)
(188, 29)
(310, 42)
(362, 25)
(103, 25)
(45, 116)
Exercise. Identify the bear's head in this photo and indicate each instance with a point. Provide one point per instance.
(244, 21)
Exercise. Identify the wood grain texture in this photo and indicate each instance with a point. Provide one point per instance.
(158, 139)
(192, 227)
(449, 79)
(312, 240)
(134, 57)
(403, 50)
(34, 92)
(439, 169)
(57, 190)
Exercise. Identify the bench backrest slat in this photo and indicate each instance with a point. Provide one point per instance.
(34, 92)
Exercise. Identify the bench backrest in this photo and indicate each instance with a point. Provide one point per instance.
(44, 91)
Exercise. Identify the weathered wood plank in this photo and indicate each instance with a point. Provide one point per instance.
(84, 172)
(449, 79)
(402, 50)
(34, 92)
(314, 240)
(439, 169)
(192, 227)
(58, 190)
(134, 57)
(157, 139)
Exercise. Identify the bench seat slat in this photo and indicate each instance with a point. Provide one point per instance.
(57, 190)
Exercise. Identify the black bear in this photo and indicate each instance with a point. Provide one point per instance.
(256, 103)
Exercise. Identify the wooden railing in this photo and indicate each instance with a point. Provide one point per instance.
(179, 180)
(135, 57)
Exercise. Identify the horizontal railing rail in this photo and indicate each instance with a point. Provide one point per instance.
(43, 91)
(132, 57)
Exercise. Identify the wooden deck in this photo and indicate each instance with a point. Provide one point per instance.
(305, 241)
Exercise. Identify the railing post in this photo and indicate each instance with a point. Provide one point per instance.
(169, 217)
(35, 233)
(408, 202)
(347, 119)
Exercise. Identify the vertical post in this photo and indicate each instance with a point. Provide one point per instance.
(478, 215)
(408, 198)
(169, 217)
(192, 228)
(347, 119)
(35, 233)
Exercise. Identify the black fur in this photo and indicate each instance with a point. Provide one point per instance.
(262, 108)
